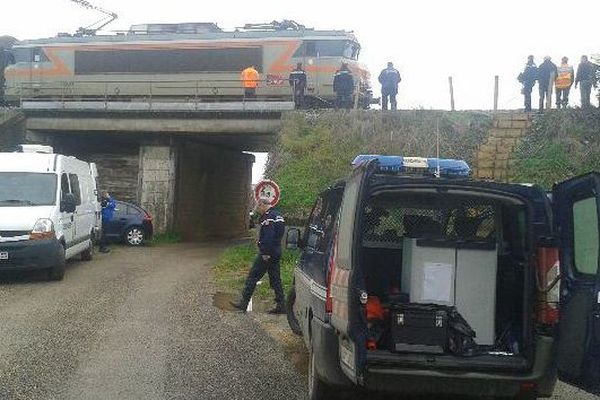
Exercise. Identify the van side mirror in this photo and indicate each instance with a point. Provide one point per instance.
(293, 239)
(68, 204)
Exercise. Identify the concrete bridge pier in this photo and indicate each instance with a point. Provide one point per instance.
(157, 178)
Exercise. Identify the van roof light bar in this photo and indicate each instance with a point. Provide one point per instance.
(435, 166)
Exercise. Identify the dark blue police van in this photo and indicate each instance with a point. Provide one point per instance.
(416, 279)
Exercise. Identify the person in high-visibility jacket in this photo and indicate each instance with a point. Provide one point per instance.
(564, 80)
(250, 78)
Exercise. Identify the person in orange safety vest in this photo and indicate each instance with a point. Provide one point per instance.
(250, 78)
(564, 80)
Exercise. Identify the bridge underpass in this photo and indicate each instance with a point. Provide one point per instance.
(188, 168)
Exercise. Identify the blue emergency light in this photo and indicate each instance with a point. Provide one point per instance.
(434, 166)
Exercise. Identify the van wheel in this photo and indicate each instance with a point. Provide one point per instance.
(291, 317)
(317, 389)
(57, 272)
(88, 254)
(134, 236)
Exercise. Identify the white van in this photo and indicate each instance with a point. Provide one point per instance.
(49, 210)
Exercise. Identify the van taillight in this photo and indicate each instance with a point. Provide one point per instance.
(330, 273)
(548, 276)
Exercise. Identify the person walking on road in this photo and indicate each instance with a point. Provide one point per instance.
(586, 78)
(250, 78)
(527, 79)
(297, 81)
(564, 80)
(272, 227)
(389, 79)
(546, 73)
(343, 86)
(108, 210)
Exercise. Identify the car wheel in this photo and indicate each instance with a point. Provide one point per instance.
(135, 236)
(291, 317)
(88, 254)
(317, 389)
(57, 272)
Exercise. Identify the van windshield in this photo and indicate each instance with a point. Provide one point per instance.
(18, 189)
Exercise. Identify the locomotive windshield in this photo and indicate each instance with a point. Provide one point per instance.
(329, 48)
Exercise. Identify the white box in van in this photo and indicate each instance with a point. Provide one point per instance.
(465, 278)
(428, 273)
(476, 274)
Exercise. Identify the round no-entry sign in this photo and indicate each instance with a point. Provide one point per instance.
(267, 190)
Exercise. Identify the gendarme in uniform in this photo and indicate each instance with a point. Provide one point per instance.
(272, 228)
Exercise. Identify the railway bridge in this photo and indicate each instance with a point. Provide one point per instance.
(185, 162)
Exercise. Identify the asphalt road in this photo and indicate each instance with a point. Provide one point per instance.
(135, 324)
(140, 324)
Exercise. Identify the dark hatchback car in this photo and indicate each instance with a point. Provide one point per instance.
(130, 224)
(430, 282)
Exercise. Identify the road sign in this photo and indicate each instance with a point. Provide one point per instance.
(268, 190)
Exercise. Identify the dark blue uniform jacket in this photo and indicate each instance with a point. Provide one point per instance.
(272, 227)
(108, 209)
(343, 82)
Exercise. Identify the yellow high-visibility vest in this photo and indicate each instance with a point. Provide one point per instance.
(564, 79)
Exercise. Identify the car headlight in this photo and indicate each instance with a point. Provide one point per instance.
(43, 229)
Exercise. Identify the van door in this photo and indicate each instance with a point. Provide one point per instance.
(96, 202)
(67, 220)
(577, 207)
(346, 315)
(312, 275)
(85, 213)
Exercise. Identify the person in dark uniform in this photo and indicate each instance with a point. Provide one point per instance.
(527, 79)
(272, 227)
(298, 83)
(389, 79)
(585, 79)
(547, 71)
(343, 86)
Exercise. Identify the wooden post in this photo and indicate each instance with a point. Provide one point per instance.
(451, 93)
(550, 87)
(496, 93)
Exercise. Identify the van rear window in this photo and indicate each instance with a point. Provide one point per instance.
(585, 231)
(388, 219)
(23, 189)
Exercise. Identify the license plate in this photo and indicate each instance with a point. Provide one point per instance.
(3, 255)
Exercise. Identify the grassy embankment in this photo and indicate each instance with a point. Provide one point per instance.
(562, 144)
(316, 149)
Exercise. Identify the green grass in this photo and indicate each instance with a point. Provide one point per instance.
(561, 144)
(165, 238)
(232, 269)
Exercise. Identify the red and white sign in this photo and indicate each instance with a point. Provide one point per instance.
(267, 190)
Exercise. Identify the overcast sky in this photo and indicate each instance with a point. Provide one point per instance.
(427, 40)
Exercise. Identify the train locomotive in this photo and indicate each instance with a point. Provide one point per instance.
(184, 62)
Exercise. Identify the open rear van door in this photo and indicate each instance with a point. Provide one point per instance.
(345, 299)
(577, 208)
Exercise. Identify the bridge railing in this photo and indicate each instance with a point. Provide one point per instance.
(205, 90)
